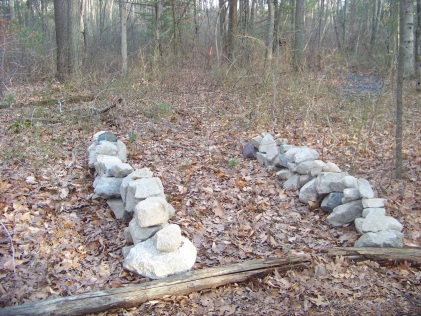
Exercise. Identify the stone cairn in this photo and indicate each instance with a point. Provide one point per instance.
(155, 248)
(345, 198)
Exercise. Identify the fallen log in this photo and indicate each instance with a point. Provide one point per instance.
(133, 295)
(380, 255)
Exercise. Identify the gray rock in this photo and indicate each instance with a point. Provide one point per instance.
(284, 148)
(120, 170)
(331, 167)
(272, 153)
(377, 202)
(151, 212)
(385, 238)
(305, 179)
(267, 143)
(365, 189)
(290, 153)
(261, 157)
(107, 188)
(358, 223)
(351, 194)
(292, 167)
(345, 213)
(374, 210)
(256, 141)
(374, 223)
(118, 208)
(284, 174)
(305, 167)
(330, 182)
(293, 183)
(331, 201)
(122, 151)
(105, 148)
(168, 239)
(281, 161)
(350, 182)
(125, 250)
(139, 190)
(105, 135)
(128, 236)
(146, 260)
(139, 234)
(317, 168)
(249, 151)
(104, 164)
(138, 174)
(308, 192)
(305, 154)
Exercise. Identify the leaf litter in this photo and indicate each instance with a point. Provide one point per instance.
(66, 243)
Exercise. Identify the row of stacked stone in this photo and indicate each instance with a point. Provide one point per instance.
(345, 198)
(155, 248)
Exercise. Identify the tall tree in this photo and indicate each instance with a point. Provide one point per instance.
(409, 38)
(232, 28)
(299, 34)
(12, 9)
(68, 38)
(400, 75)
(418, 47)
(269, 34)
(123, 24)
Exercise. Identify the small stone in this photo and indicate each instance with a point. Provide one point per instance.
(108, 136)
(374, 210)
(249, 151)
(365, 189)
(141, 189)
(135, 175)
(255, 141)
(377, 202)
(284, 174)
(284, 148)
(350, 182)
(331, 167)
(305, 167)
(122, 151)
(272, 153)
(385, 238)
(374, 223)
(108, 188)
(104, 164)
(292, 183)
(351, 194)
(330, 182)
(140, 234)
(118, 208)
(305, 179)
(125, 250)
(267, 143)
(127, 236)
(292, 167)
(331, 201)
(345, 213)
(120, 170)
(168, 239)
(306, 154)
(261, 158)
(308, 192)
(151, 212)
(358, 223)
(317, 168)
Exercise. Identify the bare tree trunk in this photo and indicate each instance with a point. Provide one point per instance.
(409, 39)
(418, 46)
(123, 24)
(269, 34)
(299, 34)
(400, 75)
(232, 28)
(61, 17)
(223, 26)
(12, 9)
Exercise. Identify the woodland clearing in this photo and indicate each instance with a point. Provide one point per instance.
(190, 133)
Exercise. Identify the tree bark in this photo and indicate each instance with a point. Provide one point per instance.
(418, 46)
(408, 35)
(269, 34)
(133, 295)
(380, 255)
(299, 34)
(123, 24)
(232, 28)
(399, 84)
(12, 9)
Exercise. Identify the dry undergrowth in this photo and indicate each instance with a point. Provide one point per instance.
(190, 132)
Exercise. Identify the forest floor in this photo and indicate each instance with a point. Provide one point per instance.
(190, 133)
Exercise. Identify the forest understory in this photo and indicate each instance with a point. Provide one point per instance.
(189, 130)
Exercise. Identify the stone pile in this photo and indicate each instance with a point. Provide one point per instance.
(155, 248)
(345, 198)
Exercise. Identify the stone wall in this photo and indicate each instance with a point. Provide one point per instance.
(155, 248)
(343, 197)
